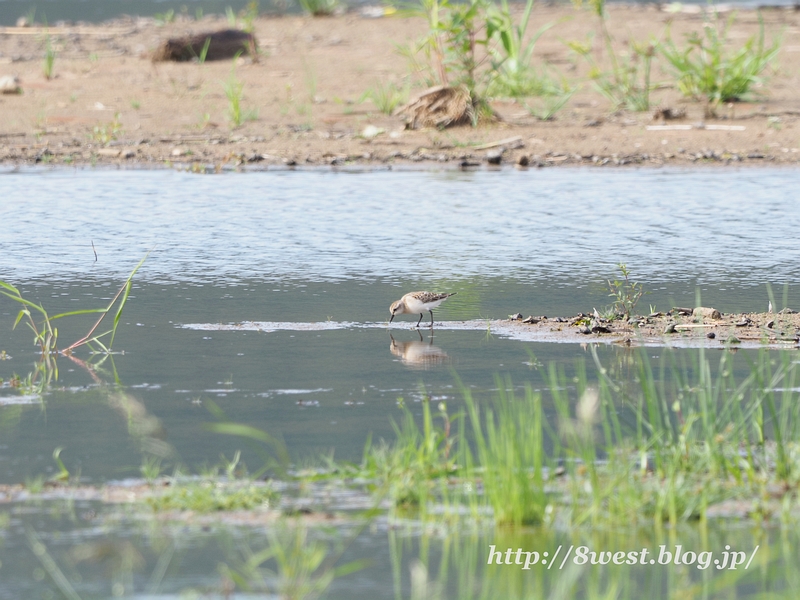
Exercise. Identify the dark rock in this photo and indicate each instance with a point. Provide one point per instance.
(222, 45)
(523, 160)
(494, 157)
(711, 335)
(600, 329)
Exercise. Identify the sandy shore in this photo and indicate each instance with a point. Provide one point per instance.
(108, 103)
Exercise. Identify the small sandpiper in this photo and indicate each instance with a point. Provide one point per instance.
(418, 302)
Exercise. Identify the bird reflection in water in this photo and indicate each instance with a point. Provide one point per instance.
(418, 354)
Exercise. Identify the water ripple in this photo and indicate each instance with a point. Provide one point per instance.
(711, 225)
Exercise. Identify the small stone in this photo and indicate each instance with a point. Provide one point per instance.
(9, 84)
(770, 324)
(371, 131)
(711, 335)
(706, 312)
(523, 160)
(585, 330)
(743, 323)
(494, 157)
(600, 329)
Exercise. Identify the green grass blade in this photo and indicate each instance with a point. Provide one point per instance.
(79, 312)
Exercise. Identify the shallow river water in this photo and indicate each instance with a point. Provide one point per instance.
(321, 255)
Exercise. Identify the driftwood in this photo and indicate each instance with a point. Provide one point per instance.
(222, 45)
(440, 106)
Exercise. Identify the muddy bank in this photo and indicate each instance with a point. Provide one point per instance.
(680, 327)
(685, 327)
(303, 97)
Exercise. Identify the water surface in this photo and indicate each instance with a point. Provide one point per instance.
(329, 247)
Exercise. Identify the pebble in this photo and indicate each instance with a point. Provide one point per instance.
(494, 157)
(523, 160)
(711, 335)
(9, 84)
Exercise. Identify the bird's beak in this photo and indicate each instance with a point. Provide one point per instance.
(390, 318)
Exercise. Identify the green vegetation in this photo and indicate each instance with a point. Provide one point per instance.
(705, 69)
(49, 57)
(165, 17)
(46, 334)
(234, 92)
(108, 132)
(511, 56)
(294, 565)
(671, 447)
(626, 293)
(320, 8)
(211, 495)
(245, 19)
(386, 96)
(479, 46)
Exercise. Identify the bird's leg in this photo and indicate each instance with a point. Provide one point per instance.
(430, 311)
(420, 319)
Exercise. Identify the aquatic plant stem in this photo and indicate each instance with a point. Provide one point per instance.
(87, 337)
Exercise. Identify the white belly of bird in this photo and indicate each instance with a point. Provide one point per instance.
(415, 306)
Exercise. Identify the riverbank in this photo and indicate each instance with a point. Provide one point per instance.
(303, 98)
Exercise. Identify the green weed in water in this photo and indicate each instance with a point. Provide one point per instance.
(213, 496)
(46, 334)
(294, 565)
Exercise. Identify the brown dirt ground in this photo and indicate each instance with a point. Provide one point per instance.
(307, 89)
